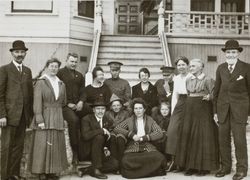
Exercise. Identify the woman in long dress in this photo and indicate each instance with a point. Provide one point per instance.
(198, 149)
(48, 156)
(177, 108)
(141, 158)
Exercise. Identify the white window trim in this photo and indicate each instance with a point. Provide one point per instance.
(75, 14)
(55, 11)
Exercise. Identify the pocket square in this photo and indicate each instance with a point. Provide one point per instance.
(240, 77)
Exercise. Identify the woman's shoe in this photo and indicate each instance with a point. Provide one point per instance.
(170, 166)
(203, 173)
(190, 172)
(178, 169)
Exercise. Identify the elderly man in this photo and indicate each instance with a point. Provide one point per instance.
(231, 99)
(73, 112)
(95, 129)
(16, 100)
(117, 85)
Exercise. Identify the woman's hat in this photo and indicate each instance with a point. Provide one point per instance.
(232, 44)
(99, 101)
(18, 45)
(113, 98)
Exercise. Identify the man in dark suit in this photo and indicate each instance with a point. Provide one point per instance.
(95, 130)
(73, 112)
(231, 98)
(16, 99)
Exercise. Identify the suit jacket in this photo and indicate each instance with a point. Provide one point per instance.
(16, 94)
(150, 97)
(90, 128)
(74, 82)
(232, 92)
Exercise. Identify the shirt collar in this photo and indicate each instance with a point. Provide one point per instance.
(200, 77)
(98, 119)
(16, 64)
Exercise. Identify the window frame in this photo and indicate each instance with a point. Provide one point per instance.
(12, 10)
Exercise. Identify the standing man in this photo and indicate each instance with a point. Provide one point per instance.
(117, 85)
(73, 112)
(231, 97)
(16, 100)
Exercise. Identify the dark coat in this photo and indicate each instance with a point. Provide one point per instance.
(150, 97)
(232, 91)
(161, 93)
(74, 82)
(16, 94)
(90, 128)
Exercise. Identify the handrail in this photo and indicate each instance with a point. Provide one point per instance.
(208, 12)
(165, 49)
(93, 58)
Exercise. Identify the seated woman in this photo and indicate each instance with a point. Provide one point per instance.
(117, 114)
(145, 90)
(48, 157)
(141, 130)
(198, 149)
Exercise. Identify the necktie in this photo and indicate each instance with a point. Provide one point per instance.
(19, 69)
(230, 68)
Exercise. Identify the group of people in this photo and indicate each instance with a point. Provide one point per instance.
(182, 123)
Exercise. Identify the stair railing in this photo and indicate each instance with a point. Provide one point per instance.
(162, 35)
(96, 41)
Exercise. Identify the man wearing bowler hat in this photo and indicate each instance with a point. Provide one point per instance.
(95, 129)
(231, 107)
(16, 98)
(117, 85)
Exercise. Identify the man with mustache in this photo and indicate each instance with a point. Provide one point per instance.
(231, 107)
(16, 99)
(73, 112)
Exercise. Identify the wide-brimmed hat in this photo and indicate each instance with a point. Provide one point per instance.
(18, 45)
(114, 97)
(99, 101)
(232, 44)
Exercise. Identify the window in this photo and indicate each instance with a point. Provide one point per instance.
(232, 5)
(202, 5)
(168, 5)
(32, 6)
(86, 8)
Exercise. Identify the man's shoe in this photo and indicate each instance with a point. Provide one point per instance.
(190, 172)
(97, 174)
(84, 171)
(239, 175)
(222, 173)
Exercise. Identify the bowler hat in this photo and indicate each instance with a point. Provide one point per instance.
(99, 101)
(232, 44)
(18, 45)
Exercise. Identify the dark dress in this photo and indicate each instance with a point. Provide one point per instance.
(149, 96)
(135, 162)
(198, 145)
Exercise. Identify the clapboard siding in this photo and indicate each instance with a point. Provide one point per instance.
(80, 28)
(56, 25)
(108, 17)
(202, 51)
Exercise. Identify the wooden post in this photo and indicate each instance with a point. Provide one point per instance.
(161, 20)
(98, 16)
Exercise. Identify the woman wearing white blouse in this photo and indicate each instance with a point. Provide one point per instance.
(177, 107)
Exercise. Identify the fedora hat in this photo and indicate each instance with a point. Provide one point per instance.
(18, 45)
(113, 98)
(99, 101)
(232, 44)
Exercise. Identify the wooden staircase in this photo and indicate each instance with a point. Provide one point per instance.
(134, 52)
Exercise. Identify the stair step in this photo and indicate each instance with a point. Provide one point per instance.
(131, 38)
(130, 50)
(134, 68)
(132, 62)
(134, 75)
(126, 55)
(130, 44)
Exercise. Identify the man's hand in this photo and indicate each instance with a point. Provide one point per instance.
(106, 132)
(72, 106)
(136, 138)
(216, 119)
(3, 122)
(206, 98)
(79, 106)
(41, 125)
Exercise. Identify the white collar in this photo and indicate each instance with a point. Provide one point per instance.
(98, 119)
(16, 64)
(49, 78)
(200, 77)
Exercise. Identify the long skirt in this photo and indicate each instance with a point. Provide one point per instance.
(198, 147)
(142, 164)
(49, 152)
(176, 121)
